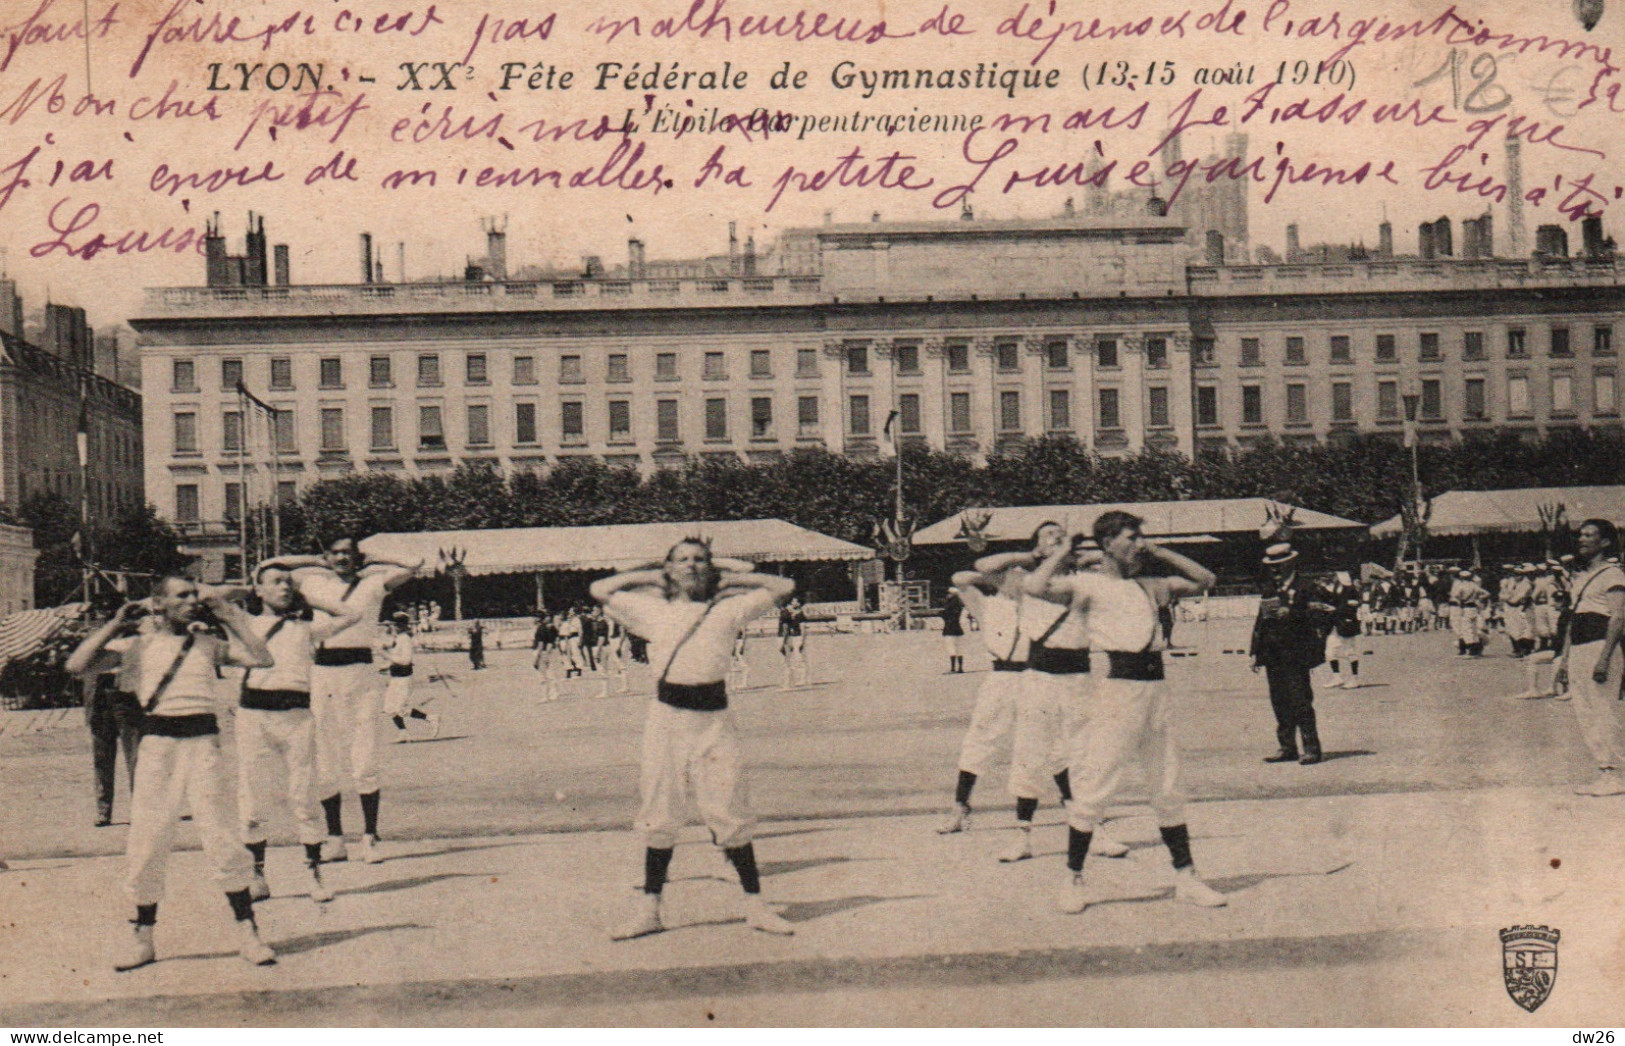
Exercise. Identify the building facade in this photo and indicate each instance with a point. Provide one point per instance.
(44, 401)
(17, 557)
(979, 335)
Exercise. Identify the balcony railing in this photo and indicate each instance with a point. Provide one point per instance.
(1403, 274)
(477, 297)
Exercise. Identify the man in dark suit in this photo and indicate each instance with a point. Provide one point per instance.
(1287, 644)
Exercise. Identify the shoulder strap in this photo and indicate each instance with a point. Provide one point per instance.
(169, 675)
(694, 626)
(1054, 626)
(276, 626)
(1575, 602)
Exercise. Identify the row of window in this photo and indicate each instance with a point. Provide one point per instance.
(859, 360)
(906, 359)
(1475, 405)
(1559, 344)
(477, 420)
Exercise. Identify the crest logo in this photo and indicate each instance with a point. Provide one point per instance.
(1529, 963)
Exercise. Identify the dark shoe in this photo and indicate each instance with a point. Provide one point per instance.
(1311, 759)
(104, 820)
(1283, 756)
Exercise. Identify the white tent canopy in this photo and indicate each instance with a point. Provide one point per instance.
(1163, 519)
(611, 547)
(1463, 512)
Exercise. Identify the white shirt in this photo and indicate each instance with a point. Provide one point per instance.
(999, 617)
(399, 648)
(1593, 587)
(293, 648)
(702, 658)
(192, 690)
(1122, 614)
(366, 599)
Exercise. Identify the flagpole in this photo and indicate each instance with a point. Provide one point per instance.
(242, 481)
(87, 546)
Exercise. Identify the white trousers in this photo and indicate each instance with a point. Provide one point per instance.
(990, 722)
(1130, 730)
(347, 702)
(1464, 623)
(1049, 711)
(1517, 621)
(1597, 706)
(286, 738)
(688, 753)
(398, 695)
(171, 772)
(1342, 648)
(1543, 618)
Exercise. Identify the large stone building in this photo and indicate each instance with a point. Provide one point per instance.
(978, 334)
(48, 391)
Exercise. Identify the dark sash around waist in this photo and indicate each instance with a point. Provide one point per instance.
(1009, 666)
(1057, 660)
(201, 725)
(700, 697)
(1588, 628)
(1143, 666)
(333, 657)
(400, 671)
(274, 700)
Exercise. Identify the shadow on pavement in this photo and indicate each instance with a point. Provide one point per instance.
(1351, 753)
(807, 911)
(1237, 883)
(448, 850)
(311, 941)
(436, 740)
(770, 868)
(394, 885)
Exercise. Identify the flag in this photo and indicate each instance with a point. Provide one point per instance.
(82, 433)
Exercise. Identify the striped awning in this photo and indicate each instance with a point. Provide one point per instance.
(24, 632)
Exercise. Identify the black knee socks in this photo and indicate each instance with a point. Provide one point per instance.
(146, 915)
(332, 808)
(258, 850)
(1025, 808)
(1063, 781)
(313, 854)
(1077, 847)
(418, 713)
(369, 812)
(242, 906)
(1335, 669)
(962, 790)
(744, 862)
(655, 864)
(400, 724)
(1178, 840)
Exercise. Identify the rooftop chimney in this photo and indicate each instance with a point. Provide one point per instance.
(1292, 248)
(496, 249)
(280, 255)
(366, 257)
(733, 248)
(1385, 239)
(1215, 247)
(1424, 241)
(1516, 242)
(635, 263)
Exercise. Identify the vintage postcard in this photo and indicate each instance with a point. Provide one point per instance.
(811, 513)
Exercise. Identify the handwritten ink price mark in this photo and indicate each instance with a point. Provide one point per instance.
(1482, 94)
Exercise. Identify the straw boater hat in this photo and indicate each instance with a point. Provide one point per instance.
(1464, 572)
(1279, 555)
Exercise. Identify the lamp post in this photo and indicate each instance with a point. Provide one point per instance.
(1413, 400)
(452, 561)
